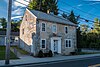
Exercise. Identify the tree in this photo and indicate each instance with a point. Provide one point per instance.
(15, 26)
(46, 6)
(72, 18)
(3, 22)
(64, 15)
(97, 26)
(78, 37)
(84, 28)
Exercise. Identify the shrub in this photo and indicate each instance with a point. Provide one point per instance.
(73, 53)
(46, 54)
(50, 54)
(40, 54)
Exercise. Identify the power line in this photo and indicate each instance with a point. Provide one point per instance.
(65, 12)
(76, 16)
(78, 9)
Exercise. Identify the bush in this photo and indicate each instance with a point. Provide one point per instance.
(73, 53)
(40, 54)
(46, 54)
(50, 54)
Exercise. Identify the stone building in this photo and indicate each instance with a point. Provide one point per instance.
(41, 31)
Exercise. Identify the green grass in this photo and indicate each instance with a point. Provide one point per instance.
(2, 53)
(83, 53)
(21, 50)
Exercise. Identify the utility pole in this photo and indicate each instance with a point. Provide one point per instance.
(8, 30)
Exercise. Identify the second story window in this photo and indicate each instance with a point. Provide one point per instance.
(43, 26)
(66, 30)
(54, 28)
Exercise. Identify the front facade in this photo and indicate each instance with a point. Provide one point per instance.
(38, 33)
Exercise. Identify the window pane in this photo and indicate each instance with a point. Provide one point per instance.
(69, 43)
(54, 28)
(66, 43)
(43, 26)
(66, 30)
(43, 43)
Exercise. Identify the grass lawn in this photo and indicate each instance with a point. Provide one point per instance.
(2, 53)
(83, 53)
(20, 50)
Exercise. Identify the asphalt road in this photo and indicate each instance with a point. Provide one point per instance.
(86, 62)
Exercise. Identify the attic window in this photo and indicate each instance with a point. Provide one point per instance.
(26, 17)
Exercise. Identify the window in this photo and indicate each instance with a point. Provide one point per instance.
(54, 28)
(43, 26)
(22, 31)
(26, 17)
(43, 43)
(66, 29)
(68, 43)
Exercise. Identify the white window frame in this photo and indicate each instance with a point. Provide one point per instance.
(65, 29)
(41, 27)
(41, 43)
(68, 43)
(53, 28)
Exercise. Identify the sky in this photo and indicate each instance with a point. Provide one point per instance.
(88, 9)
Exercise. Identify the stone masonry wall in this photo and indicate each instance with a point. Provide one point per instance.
(60, 32)
(28, 26)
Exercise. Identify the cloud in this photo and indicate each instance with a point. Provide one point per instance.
(16, 17)
(79, 5)
(17, 11)
(22, 3)
(18, 7)
(6, 1)
(92, 0)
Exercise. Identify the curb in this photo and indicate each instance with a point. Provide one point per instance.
(50, 62)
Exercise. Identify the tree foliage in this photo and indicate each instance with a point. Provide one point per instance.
(15, 25)
(3, 22)
(91, 39)
(64, 15)
(72, 18)
(44, 6)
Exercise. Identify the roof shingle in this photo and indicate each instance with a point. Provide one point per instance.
(50, 17)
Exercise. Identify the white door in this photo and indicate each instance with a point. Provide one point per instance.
(55, 46)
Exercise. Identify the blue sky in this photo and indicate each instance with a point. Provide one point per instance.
(88, 9)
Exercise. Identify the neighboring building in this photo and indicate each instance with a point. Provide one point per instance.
(14, 38)
(41, 31)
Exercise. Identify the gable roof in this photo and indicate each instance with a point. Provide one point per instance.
(49, 17)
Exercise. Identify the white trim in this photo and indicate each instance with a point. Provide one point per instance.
(59, 43)
(64, 29)
(68, 43)
(56, 28)
(45, 27)
(31, 13)
(41, 44)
